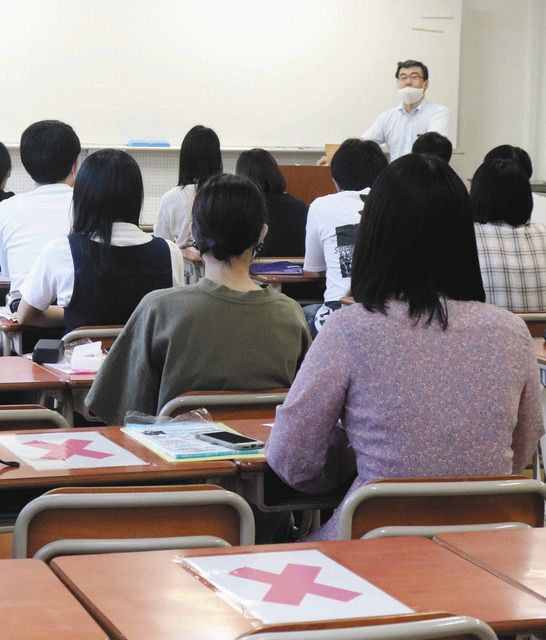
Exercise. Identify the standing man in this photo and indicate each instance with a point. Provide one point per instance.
(400, 126)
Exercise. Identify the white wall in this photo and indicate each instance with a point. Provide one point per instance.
(502, 96)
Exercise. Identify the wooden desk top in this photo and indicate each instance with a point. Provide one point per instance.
(21, 374)
(540, 350)
(157, 471)
(518, 555)
(148, 595)
(36, 605)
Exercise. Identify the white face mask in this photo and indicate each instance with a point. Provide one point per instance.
(410, 95)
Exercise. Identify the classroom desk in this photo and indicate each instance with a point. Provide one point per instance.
(21, 374)
(148, 595)
(155, 472)
(36, 605)
(540, 352)
(18, 373)
(517, 556)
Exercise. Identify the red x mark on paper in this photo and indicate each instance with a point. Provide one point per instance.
(67, 449)
(293, 583)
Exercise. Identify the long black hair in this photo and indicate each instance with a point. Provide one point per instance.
(261, 166)
(200, 156)
(416, 241)
(108, 189)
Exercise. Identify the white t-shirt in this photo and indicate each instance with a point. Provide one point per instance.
(174, 219)
(28, 221)
(539, 208)
(399, 129)
(332, 224)
(52, 276)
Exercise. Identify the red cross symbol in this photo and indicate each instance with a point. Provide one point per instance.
(293, 583)
(67, 449)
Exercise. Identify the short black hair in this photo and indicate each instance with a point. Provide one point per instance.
(228, 216)
(416, 241)
(357, 163)
(5, 162)
(49, 149)
(508, 152)
(433, 144)
(108, 189)
(501, 192)
(406, 64)
(200, 156)
(261, 166)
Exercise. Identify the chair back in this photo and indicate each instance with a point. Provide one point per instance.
(132, 516)
(441, 502)
(29, 416)
(228, 405)
(106, 334)
(417, 626)
(535, 321)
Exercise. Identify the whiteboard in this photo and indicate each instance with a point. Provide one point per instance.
(287, 73)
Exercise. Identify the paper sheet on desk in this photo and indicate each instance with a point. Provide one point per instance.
(73, 450)
(292, 586)
(87, 358)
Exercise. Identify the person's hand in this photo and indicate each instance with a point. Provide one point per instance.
(322, 162)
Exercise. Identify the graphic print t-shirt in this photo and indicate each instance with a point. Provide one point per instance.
(332, 227)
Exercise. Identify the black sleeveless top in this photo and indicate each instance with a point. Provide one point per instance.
(111, 297)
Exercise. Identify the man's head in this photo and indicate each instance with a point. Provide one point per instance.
(433, 144)
(412, 80)
(49, 151)
(356, 164)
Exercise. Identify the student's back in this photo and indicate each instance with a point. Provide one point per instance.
(49, 152)
(103, 269)
(286, 215)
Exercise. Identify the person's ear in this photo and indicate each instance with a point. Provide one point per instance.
(425, 85)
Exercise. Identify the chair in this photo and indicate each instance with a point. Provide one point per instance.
(29, 416)
(403, 627)
(107, 334)
(437, 503)
(106, 519)
(228, 405)
(535, 321)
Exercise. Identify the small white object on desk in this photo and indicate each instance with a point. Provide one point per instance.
(87, 358)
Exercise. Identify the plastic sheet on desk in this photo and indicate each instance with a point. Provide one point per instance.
(291, 586)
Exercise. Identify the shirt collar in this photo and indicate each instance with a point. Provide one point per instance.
(416, 110)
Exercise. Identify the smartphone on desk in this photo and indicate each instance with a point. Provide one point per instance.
(230, 440)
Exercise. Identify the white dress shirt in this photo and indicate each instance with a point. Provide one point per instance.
(174, 218)
(52, 276)
(28, 221)
(399, 129)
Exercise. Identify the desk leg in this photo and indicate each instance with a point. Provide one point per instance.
(6, 344)
(17, 343)
(67, 406)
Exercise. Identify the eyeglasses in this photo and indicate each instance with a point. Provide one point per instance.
(413, 76)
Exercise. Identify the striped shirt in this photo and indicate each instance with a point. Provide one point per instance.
(513, 265)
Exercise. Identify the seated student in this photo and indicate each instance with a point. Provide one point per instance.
(332, 223)
(5, 172)
(222, 333)
(200, 158)
(49, 153)
(433, 144)
(419, 377)
(100, 272)
(512, 250)
(286, 215)
(519, 155)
